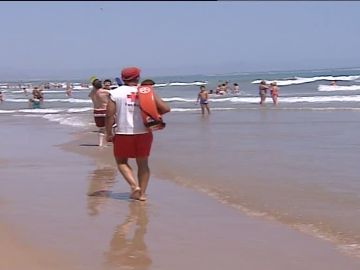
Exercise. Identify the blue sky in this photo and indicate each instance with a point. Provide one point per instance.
(72, 39)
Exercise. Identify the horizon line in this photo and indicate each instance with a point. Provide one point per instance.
(198, 74)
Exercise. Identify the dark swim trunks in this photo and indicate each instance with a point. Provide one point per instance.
(35, 104)
(99, 117)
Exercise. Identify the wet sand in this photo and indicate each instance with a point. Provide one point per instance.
(45, 205)
(19, 254)
(297, 167)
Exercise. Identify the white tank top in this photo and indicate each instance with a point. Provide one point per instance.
(128, 114)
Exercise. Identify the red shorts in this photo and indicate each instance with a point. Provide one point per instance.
(99, 117)
(132, 146)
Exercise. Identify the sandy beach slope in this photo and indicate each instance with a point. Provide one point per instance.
(45, 207)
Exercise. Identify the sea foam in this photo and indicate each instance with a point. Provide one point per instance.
(301, 80)
(332, 88)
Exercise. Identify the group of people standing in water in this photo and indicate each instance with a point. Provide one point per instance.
(223, 89)
(35, 100)
(37, 97)
(274, 92)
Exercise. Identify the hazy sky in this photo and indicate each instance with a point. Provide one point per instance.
(52, 39)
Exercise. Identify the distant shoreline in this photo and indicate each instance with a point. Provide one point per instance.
(235, 73)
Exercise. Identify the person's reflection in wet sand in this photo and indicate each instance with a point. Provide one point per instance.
(127, 246)
(101, 180)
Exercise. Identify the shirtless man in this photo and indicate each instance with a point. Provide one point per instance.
(99, 97)
(203, 97)
(223, 89)
(236, 88)
(36, 99)
(68, 90)
(107, 84)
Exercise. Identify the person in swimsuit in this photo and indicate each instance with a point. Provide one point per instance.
(36, 99)
(223, 89)
(68, 90)
(100, 98)
(274, 91)
(262, 91)
(107, 84)
(217, 90)
(236, 88)
(203, 98)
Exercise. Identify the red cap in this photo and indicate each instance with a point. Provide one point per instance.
(129, 73)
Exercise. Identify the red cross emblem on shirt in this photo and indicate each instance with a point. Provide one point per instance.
(133, 96)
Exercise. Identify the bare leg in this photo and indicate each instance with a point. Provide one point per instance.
(101, 136)
(262, 99)
(202, 109)
(127, 172)
(274, 98)
(101, 139)
(207, 108)
(143, 175)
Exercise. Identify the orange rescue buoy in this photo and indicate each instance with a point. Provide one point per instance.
(151, 117)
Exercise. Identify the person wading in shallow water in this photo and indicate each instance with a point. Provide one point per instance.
(203, 98)
(274, 91)
(131, 139)
(262, 92)
(1, 97)
(37, 98)
(100, 98)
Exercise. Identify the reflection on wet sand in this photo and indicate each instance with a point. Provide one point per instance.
(127, 246)
(101, 180)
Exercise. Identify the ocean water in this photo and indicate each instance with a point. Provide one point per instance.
(306, 90)
(295, 162)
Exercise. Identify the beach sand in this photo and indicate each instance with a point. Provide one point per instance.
(49, 221)
(19, 254)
